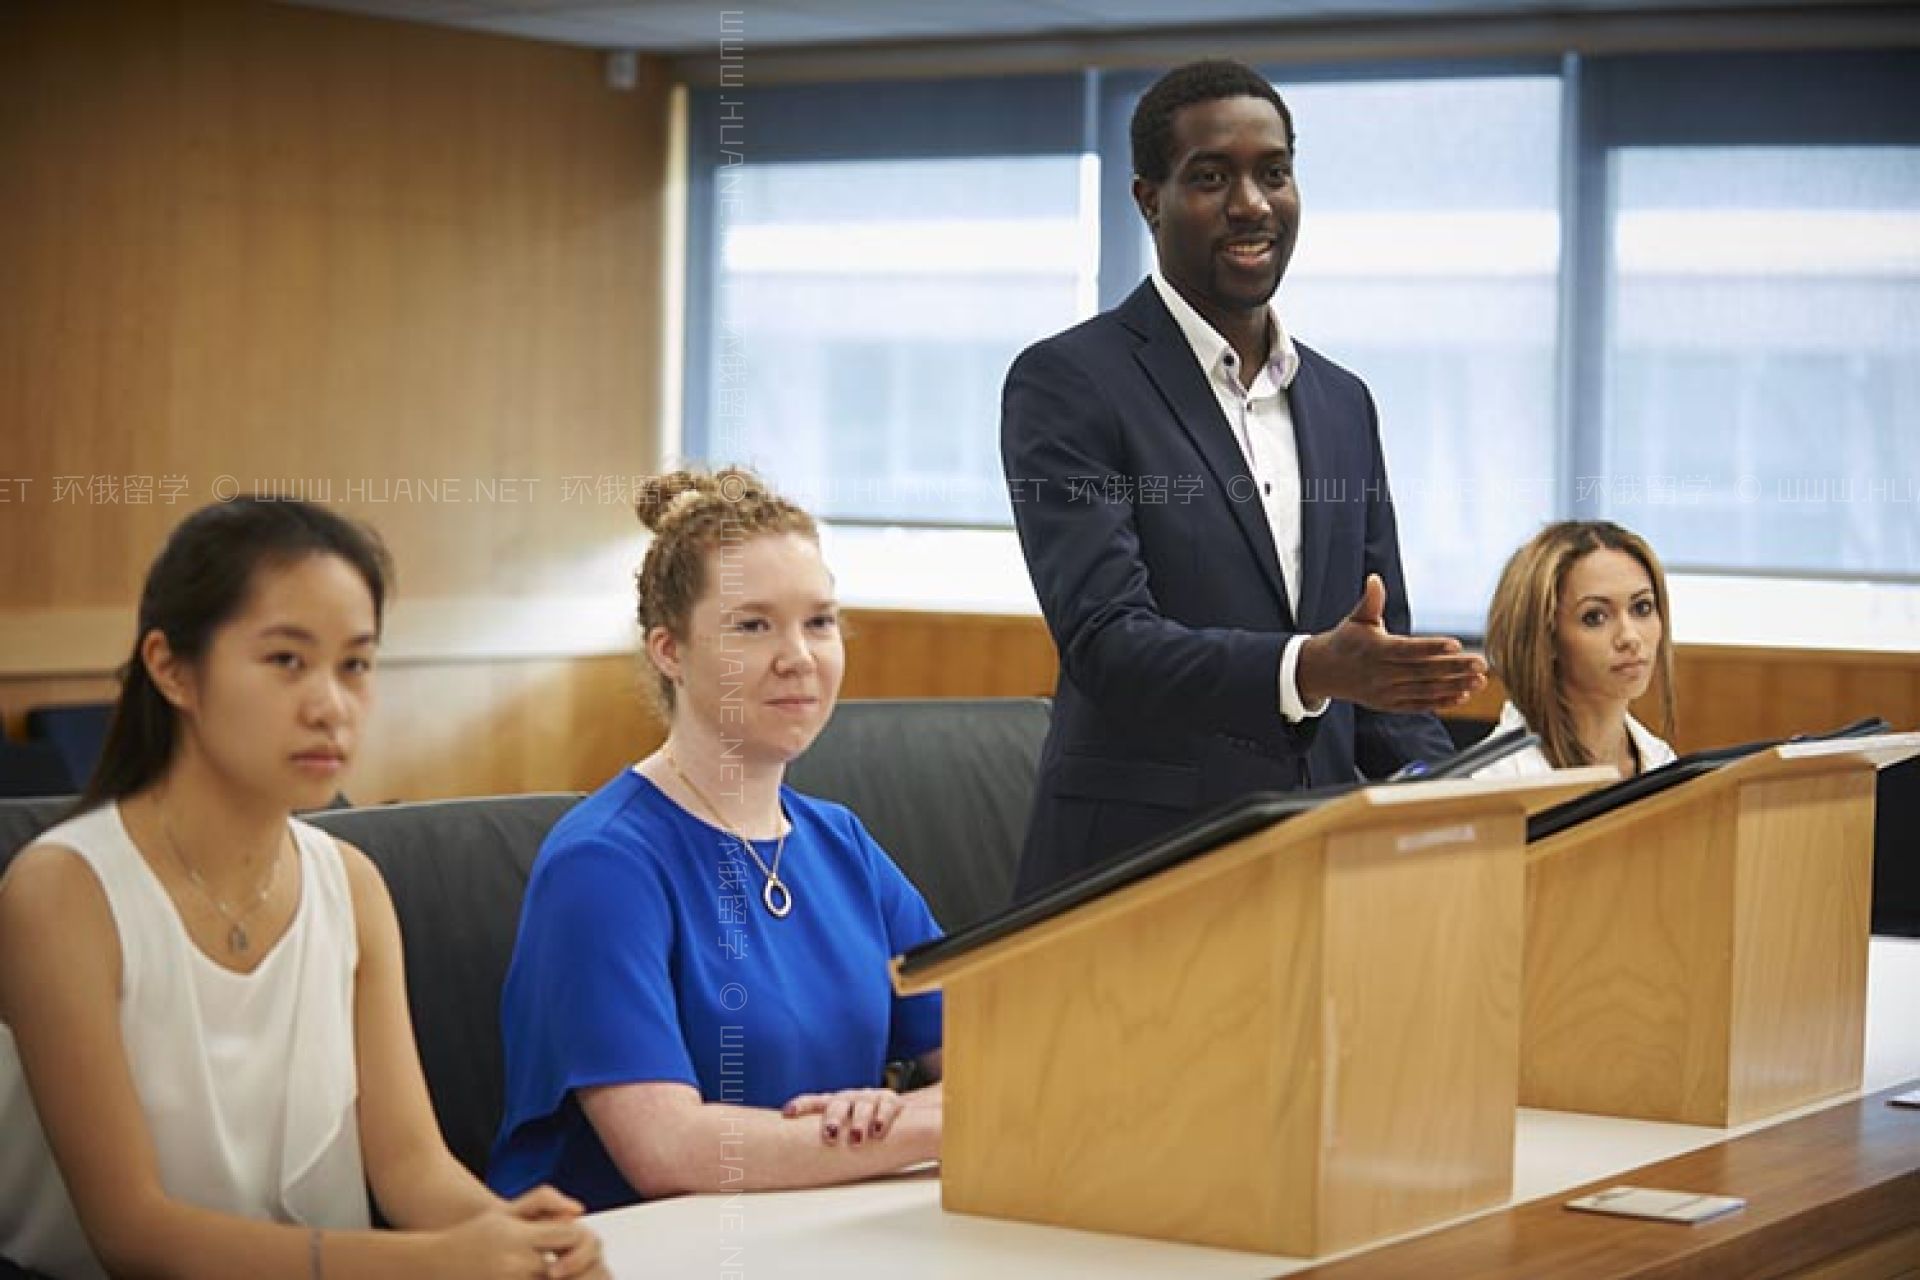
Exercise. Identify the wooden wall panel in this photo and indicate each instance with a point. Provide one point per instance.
(320, 254)
(897, 654)
(1726, 694)
(503, 725)
(500, 727)
(336, 257)
(461, 729)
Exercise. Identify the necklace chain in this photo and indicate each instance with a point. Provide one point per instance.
(238, 939)
(777, 897)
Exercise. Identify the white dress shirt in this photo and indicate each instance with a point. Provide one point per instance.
(1262, 423)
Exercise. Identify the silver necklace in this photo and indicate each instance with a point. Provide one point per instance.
(237, 938)
(777, 897)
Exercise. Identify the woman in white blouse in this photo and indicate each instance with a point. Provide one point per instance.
(205, 1054)
(1579, 630)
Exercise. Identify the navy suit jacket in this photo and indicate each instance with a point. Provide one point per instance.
(1155, 567)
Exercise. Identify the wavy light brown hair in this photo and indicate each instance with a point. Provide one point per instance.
(1521, 629)
(693, 514)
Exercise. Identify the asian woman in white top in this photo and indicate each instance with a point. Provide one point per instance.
(1578, 631)
(206, 1060)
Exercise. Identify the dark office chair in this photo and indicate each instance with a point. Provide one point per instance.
(1466, 730)
(22, 820)
(456, 870)
(77, 730)
(33, 769)
(1896, 851)
(944, 784)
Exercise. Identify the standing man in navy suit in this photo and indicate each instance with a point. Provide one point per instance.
(1204, 510)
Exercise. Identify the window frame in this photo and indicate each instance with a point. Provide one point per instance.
(931, 119)
(1811, 98)
(1843, 97)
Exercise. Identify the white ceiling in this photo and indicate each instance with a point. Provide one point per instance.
(674, 26)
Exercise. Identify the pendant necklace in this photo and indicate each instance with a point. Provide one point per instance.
(237, 938)
(777, 897)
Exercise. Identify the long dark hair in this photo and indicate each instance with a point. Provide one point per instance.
(200, 580)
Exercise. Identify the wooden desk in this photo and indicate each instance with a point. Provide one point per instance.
(1835, 1193)
(1818, 1182)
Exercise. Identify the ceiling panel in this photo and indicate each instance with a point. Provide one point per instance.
(677, 26)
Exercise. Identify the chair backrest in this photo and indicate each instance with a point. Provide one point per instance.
(22, 819)
(1466, 730)
(1896, 850)
(457, 870)
(77, 730)
(33, 769)
(944, 784)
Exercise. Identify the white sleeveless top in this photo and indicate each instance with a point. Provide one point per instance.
(248, 1081)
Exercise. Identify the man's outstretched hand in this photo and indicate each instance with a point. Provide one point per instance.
(1362, 662)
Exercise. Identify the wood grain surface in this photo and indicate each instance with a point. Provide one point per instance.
(1833, 1194)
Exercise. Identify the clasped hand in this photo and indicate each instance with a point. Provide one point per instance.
(857, 1115)
(538, 1235)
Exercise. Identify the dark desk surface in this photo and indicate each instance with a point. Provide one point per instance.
(1844, 1181)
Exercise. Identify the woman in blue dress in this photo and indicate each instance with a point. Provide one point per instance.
(699, 998)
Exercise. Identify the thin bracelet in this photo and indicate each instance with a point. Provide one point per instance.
(315, 1271)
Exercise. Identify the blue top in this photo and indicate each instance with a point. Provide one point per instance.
(646, 954)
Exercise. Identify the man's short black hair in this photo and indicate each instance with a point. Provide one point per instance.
(1183, 86)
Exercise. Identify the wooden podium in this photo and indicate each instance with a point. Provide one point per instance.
(1299, 1042)
(1700, 956)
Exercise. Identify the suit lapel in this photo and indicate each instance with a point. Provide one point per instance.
(1320, 489)
(1168, 360)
